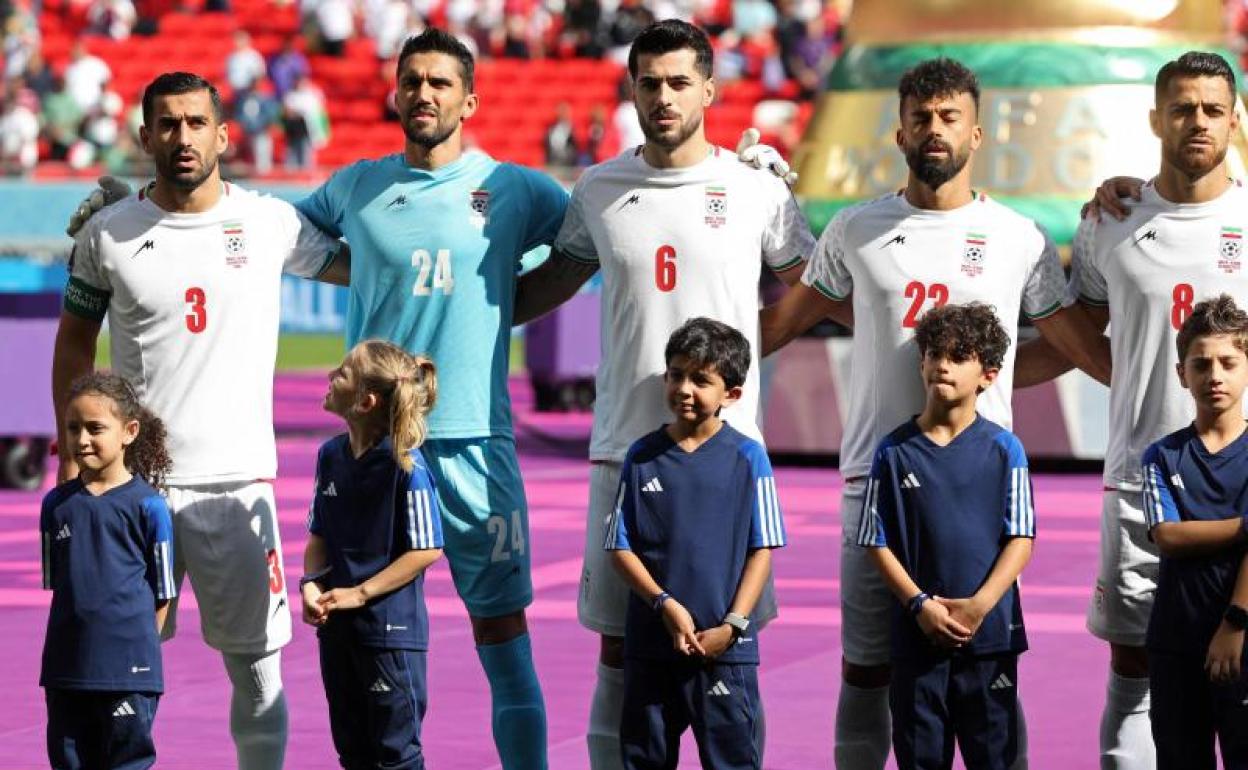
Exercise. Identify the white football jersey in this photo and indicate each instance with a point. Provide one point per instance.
(1151, 269)
(899, 261)
(675, 244)
(193, 309)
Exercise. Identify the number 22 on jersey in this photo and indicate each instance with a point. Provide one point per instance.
(433, 273)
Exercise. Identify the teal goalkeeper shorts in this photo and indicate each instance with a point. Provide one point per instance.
(485, 522)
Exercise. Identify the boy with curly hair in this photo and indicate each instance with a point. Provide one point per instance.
(949, 520)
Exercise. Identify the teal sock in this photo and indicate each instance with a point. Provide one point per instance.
(519, 713)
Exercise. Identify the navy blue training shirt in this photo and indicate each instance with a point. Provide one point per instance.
(370, 512)
(692, 518)
(108, 559)
(1183, 481)
(946, 513)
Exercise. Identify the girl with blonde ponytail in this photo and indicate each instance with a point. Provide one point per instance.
(374, 529)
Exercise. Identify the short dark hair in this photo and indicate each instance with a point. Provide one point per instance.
(938, 77)
(175, 83)
(1213, 317)
(1193, 64)
(707, 343)
(673, 35)
(963, 332)
(434, 40)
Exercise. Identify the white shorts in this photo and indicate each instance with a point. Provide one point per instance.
(602, 603)
(225, 538)
(1123, 598)
(866, 602)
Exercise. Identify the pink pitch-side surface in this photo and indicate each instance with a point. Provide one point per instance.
(1062, 677)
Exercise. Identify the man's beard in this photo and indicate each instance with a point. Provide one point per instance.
(935, 172)
(1197, 170)
(687, 129)
(186, 181)
(428, 140)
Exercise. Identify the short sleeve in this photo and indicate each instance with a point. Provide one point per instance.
(1020, 510)
(1046, 283)
(876, 508)
(159, 529)
(548, 206)
(574, 239)
(325, 207)
(45, 540)
(314, 512)
(766, 522)
(312, 250)
(88, 289)
(1159, 506)
(1087, 282)
(622, 513)
(422, 517)
(826, 271)
(787, 239)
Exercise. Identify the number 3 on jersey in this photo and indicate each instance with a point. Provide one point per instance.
(196, 313)
(438, 269)
(918, 293)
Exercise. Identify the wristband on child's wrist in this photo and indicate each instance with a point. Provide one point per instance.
(657, 604)
(915, 605)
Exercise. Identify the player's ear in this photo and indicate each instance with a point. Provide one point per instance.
(977, 136)
(145, 136)
(471, 102)
(1154, 122)
(708, 92)
(732, 395)
(987, 377)
(368, 402)
(1182, 372)
(129, 432)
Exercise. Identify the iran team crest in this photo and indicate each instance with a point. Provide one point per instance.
(716, 206)
(973, 253)
(1230, 246)
(235, 243)
(479, 203)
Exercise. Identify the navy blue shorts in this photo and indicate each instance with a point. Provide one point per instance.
(718, 700)
(971, 700)
(377, 701)
(89, 729)
(1189, 714)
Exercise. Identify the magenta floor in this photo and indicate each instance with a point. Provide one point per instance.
(1062, 676)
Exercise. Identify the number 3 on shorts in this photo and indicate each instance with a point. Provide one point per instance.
(497, 526)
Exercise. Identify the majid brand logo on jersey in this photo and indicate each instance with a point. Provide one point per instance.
(716, 206)
(235, 244)
(479, 203)
(1230, 246)
(973, 253)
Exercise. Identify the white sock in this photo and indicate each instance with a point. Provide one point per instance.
(605, 711)
(863, 728)
(257, 710)
(1126, 731)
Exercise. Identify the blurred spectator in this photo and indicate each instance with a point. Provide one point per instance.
(62, 119)
(305, 123)
(85, 77)
(560, 141)
(39, 76)
(630, 19)
(751, 16)
(582, 21)
(21, 41)
(601, 141)
(287, 68)
(244, 65)
(730, 63)
(256, 114)
(389, 23)
(335, 23)
(111, 18)
(627, 126)
(515, 38)
(808, 45)
(103, 127)
(19, 130)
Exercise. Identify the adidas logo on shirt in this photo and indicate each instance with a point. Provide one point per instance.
(719, 688)
(910, 482)
(379, 686)
(652, 485)
(390, 628)
(1177, 481)
(1001, 683)
(140, 669)
(330, 491)
(62, 533)
(124, 710)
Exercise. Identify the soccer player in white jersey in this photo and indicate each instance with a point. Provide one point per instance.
(934, 242)
(680, 229)
(188, 273)
(1141, 276)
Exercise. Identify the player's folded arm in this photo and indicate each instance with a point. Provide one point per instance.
(550, 284)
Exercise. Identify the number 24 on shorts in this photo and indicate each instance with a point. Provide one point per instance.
(498, 527)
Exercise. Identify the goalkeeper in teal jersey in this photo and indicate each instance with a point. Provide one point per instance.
(436, 236)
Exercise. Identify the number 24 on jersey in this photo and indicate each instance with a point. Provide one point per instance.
(433, 273)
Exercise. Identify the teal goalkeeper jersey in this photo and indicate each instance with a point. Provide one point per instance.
(434, 260)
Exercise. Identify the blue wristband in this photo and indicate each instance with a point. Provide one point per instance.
(915, 605)
(657, 604)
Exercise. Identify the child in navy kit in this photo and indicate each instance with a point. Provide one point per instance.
(375, 527)
(949, 518)
(1195, 501)
(691, 535)
(108, 559)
